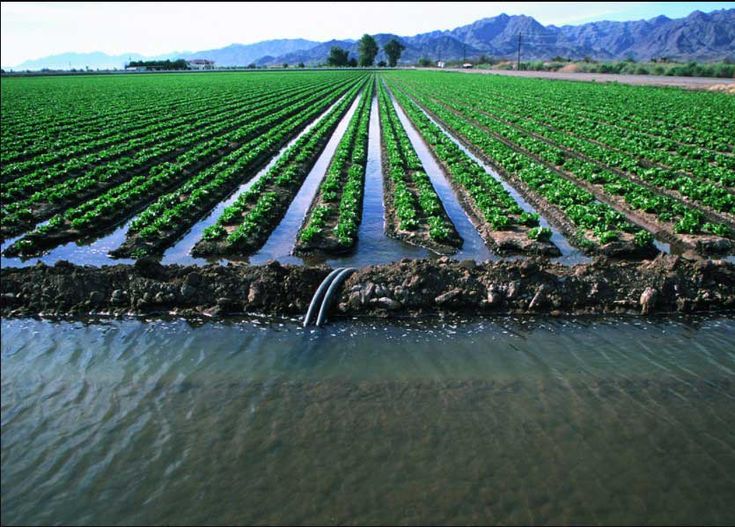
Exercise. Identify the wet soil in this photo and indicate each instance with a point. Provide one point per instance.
(406, 288)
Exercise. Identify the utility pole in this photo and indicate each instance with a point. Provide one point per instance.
(518, 62)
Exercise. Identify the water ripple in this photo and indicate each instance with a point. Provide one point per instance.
(512, 420)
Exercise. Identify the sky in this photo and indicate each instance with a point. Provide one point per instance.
(32, 30)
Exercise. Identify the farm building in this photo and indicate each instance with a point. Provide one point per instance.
(200, 64)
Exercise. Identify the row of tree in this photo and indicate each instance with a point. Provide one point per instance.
(367, 49)
(179, 64)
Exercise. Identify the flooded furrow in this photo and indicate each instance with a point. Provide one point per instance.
(570, 255)
(473, 247)
(282, 240)
(373, 246)
(80, 252)
(180, 252)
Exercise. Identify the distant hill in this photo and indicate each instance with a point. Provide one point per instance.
(446, 45)
(245, 54)
(233, 55)
(699, 36)
(94, 60)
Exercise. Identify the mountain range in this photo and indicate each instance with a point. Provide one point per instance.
(699, 36)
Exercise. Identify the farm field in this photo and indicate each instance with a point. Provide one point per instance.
(531, 320)
(206, 167)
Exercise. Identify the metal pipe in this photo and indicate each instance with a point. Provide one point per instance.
(343, 274)
(319, 293)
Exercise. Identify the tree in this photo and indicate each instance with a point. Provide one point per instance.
(382, 64)
(393, 50)
(285, 64)
(301, 65)
(367, 48)
(337, 57)
(424, 62)
(352, 63)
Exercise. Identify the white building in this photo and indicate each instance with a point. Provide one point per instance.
(200, 64)
(440, 64)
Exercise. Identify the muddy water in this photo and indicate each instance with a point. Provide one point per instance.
(514, 421)
(83, 252)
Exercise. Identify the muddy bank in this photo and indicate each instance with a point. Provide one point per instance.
(406, 288)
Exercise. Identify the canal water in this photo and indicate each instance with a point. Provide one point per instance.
(512, 421)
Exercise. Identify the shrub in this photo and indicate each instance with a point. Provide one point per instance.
(541, 234)
(643, 238)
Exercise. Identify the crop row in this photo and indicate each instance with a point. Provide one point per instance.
(45, 111)
(633, 150)
(645, 118)
(94, 182)
(417, 208)
(38, 146)
(686, 117)
(638, 197)
(594, 226)
(173, 213)
(120, 138)
(245, 225)
(157, 134)
(334, 216)
(482, 194)
(249, 143)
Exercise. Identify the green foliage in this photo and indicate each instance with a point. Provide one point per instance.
(541, 234)
(179, 64)
(368, 49)
(643, 238)
(393, 50)
(530, 219)
(615, 156)
(338, 57)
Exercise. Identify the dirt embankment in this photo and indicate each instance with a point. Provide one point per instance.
(409, 287)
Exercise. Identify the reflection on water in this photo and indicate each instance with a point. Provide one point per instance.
(473, 246)
(569, 254)
(180, 252)
(283, 238)
(509, 421)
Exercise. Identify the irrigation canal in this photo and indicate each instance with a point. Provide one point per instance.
(509, 421)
